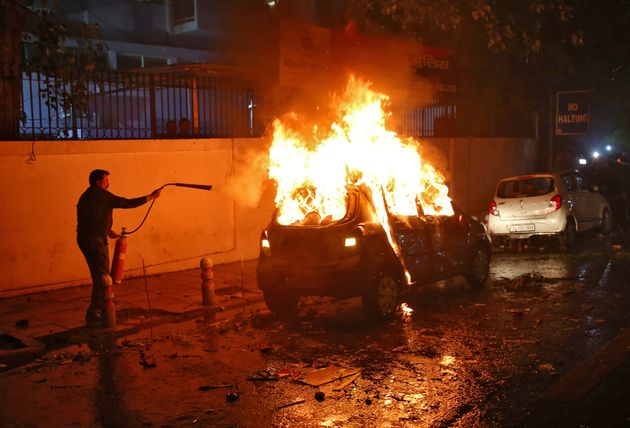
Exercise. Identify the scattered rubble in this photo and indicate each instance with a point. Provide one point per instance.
(547, 367)
(327, 375)
(525, 281)
(147, 361)
(293, 403)
(232, 397)
(263, 375)
(212, 387)
(265, 347)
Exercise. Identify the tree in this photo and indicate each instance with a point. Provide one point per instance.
(527, 48)
(63, 48)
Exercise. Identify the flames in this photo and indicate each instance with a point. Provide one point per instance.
(312, 169)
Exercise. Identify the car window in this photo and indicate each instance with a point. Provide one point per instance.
(353, 208)
(525, 186)
(582, 184)
(569, 182)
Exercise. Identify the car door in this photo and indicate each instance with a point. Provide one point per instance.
(412, 234)
(587, 205)
(449, 236)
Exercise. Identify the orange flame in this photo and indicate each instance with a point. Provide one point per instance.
(311, 172)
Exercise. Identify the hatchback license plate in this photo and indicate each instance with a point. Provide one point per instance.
(523, 228)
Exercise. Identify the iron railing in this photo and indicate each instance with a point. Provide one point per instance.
(137, 105)
(133, 105)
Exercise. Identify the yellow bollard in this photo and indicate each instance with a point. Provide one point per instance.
(109, 309)
(207, 282)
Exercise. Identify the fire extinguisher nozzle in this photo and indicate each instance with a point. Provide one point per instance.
(195, 186)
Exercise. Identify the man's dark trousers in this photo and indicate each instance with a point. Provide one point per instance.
(96, 253)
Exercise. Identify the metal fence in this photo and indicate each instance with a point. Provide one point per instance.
(487, 117)
(132, 105)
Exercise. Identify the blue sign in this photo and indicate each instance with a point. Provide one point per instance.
(573, 112)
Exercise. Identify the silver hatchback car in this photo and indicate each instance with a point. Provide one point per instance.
(558, 204)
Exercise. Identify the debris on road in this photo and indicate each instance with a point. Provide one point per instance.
(176, 355)
(517, 313)
(329, 374)
(293, 403)
(263, 375)
(527, 280)
(342, 384)
(82, 357)
(265, 347)
(320, 396)
(231, 397)
(217, 386)
(547, 367)
(147, 361)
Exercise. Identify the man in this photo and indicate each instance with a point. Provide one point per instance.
(184, 128)
(171, 129)
(94, 226)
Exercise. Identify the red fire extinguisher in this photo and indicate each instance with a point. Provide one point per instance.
(119, 258)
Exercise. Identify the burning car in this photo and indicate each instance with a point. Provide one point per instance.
(353, 257)
(359, 212)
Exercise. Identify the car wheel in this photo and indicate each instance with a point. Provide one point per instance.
(282, 305)
(606, 223)
(568, 237)
(382, 300)
(479, 267)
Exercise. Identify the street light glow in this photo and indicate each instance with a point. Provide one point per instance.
(609, 147)
(595, 154)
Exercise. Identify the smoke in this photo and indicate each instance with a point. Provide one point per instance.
(248, 182)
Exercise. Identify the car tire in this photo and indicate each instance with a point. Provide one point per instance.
(283, 305)
(568, 237)
(606, 223)
(382, 300)
(479, 267)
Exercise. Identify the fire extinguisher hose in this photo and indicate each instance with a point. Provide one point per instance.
(190, 186)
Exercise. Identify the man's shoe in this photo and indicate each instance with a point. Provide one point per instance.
(93, 319)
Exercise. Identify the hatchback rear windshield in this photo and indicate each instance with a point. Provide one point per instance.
(315, 219)
(522, 187)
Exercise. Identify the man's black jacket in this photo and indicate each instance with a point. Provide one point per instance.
(94, 211)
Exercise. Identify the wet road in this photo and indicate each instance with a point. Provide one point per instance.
(513, 354)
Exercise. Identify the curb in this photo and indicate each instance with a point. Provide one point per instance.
(127, 327)
(27, 348)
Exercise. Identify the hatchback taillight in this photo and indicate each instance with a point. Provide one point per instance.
(494, 210)
(555, 203)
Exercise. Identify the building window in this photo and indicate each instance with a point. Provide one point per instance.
(127, 61)
(183, 15)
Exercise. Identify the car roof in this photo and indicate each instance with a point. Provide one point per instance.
(540, 174)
